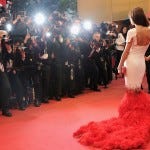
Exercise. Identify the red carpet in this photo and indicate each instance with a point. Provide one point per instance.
(51, 126)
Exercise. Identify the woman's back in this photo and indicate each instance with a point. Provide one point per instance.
(135, 62)
(140, 38)
(143, 35)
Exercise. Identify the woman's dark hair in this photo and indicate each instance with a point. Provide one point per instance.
(121, 31)
(138, 17)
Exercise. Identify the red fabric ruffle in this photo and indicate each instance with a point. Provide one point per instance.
(130, 130)
(3, 3)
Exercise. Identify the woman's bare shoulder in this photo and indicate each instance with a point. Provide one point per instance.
(143, 36)
(143, 30)
(132, 30)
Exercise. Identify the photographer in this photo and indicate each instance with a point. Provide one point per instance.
(56, 55)
(21, 66)
(9, 64)
(95, 45)
(19, 29)
(33, 53)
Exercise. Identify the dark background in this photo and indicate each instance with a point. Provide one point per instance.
(47, 6)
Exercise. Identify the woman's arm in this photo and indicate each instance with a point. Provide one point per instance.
(124, 55)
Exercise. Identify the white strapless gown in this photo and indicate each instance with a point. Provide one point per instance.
(131, 129)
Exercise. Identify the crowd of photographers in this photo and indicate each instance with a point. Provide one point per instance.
(47, 61)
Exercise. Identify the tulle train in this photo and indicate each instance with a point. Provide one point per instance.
(130, 130)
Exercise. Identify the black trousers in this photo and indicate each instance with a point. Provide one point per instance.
(24, 81)
(68, 81)
(109, 72)
(17, 87)
(79, 79)
(94, 74)
(56, 79)
(46, 73)
(5, 91)
(148, 74)
(117, 60)
(103, 76)
(35, 78)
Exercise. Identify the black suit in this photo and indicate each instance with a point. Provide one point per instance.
(56, 49)
(5, 90)
(148, 68)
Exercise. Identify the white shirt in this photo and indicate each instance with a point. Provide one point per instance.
(119, 41)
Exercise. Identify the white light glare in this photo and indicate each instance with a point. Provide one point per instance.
(75, 29)
(87, 25)
(39, 18)
(48, 34)
(8, 27)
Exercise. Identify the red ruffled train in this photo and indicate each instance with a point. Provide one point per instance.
(130, 130)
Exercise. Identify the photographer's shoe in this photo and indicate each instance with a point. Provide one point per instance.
(7, 113)
(37, 103)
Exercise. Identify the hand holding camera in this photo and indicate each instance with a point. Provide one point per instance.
(1, 67)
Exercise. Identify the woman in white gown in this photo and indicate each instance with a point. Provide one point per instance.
(131, 129)
(133, 56)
